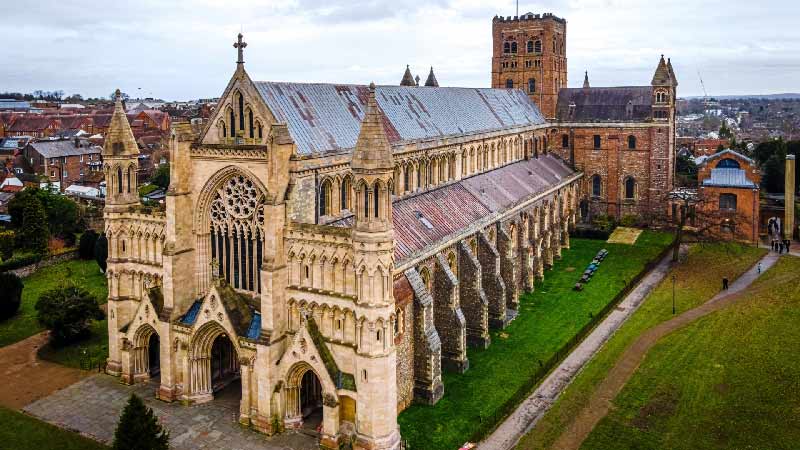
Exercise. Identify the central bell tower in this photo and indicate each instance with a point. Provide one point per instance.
(529, 52)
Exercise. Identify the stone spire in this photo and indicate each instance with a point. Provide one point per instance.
(408, 79)
(586, 80)
(672, 73)
(662, 76)
(373, 150)
(431, 81)
(119, 140)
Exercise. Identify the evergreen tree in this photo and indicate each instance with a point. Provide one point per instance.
(10, 294)
(87, 244)
(101, 252)
(34, 235)
(139, 429)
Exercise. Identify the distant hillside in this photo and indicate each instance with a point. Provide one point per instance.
(787, 96)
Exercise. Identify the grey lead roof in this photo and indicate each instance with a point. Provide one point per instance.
(605, 104)
(327, 117)
(66, 147)
(728, 178)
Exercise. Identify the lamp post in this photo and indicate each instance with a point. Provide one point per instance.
(673, 295)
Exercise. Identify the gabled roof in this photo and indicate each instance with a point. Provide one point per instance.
(605, 104)
(727, 153)
(65, 147)
(729, 178)
(327, 117)
(31, 123)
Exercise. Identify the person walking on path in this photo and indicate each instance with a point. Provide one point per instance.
(759, 267)
(788, 243)
(725, 284)
(780, 248)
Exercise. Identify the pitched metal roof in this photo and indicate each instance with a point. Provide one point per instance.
(605, 104)
(65, 147)
(327, 117)
(736, 178)
(435, 216)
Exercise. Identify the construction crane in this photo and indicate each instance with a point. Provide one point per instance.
(705, 94)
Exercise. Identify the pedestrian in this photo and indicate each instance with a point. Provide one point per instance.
(780, 248)
(788, 243)
(759, 267)
(774, 245)
(725, 284)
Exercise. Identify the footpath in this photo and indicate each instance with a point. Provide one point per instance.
(522, 420)
(600, 402)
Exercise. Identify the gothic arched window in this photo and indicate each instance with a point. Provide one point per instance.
(119, 179)
(513, 47)
(597, 186)
(530, 47)
(325, 199)
(344, 195)
(506, 47)
(531, 85)
(631, 142)
(129, 180)
(236, 235)
(564, 141)
(250, 124)
(509, 84)
(241, 112)
(537, 47)
(233, 123)
(376, 198)
(366, 201)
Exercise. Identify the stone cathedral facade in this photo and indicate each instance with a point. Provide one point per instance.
(328, 250)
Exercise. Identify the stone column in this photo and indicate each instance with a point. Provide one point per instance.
(448, 318)
(493, 284)
(788, 222)
(508, 269)
(474, 304)
(428, 387)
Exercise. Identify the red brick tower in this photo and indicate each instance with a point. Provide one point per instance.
(530, 53)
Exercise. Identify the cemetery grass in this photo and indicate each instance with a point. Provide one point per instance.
(22, 432)
(547, 319)
(697, 280)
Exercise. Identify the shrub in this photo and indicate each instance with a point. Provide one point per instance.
(101, 252)
(138, 428)
(67, 311)
(20, 261)
(34, 234)
(629, 220)
(86, 244)
(6, 244)
(10, 294)
(604, 222)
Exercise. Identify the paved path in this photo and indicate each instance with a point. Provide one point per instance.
(92, 407)
(27, 378)
(600, 402)
(533, 408)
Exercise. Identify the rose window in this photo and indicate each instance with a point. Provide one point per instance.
(241, 197)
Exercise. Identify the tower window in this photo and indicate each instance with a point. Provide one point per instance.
(119, 180)
(376, 198)
(564, 141)
(513, 47)
(631, 142)
(509, 84)
(532, 85)
(537, 47)
(530, 47)
(630, 188)
(366, 202)
(506, 47)
(596, 141)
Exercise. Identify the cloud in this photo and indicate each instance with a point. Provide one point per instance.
(182, 49)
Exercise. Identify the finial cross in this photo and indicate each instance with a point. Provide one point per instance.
(240, 45)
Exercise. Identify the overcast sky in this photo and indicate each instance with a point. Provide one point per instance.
(183, 49)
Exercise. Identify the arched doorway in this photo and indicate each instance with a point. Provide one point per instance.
(154, 355)
(311, 400)
(224, 363)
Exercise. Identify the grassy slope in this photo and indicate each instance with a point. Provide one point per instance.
(730, 380)
(548, 318)
(24, 324)
(21, 432)
(697, 280)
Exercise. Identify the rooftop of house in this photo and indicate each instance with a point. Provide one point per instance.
(65, 147)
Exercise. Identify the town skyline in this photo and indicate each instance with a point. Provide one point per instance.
(180, 51)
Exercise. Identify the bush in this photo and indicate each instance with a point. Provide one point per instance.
(604, 222)
(69, 239)
(19, 261)
(101, 252)
(6, 244)
(61, 212)
(34, 235)
(138, 428)
(629, 220)
(86, 244)
(10, 294)
(67, 312)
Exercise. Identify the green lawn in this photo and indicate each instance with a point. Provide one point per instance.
(24, 323)
(548, 318)
(22, 432)
(697, 280)
(727, 381)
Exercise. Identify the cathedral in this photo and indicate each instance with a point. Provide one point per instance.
(328, 250)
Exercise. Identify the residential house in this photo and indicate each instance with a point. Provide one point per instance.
(66, 161)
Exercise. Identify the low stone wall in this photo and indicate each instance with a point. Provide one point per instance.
(29, 270)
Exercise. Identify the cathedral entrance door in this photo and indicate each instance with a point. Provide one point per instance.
(311, 400)
(154, 355)
(224, 363)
